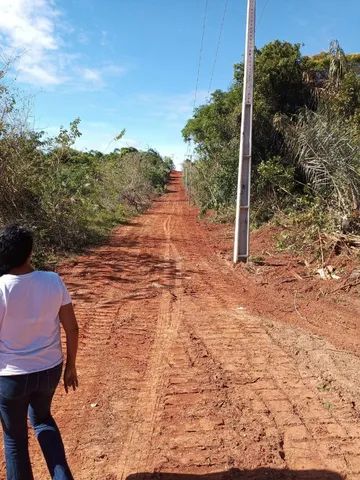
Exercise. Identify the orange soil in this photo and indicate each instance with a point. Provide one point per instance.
(193, 369)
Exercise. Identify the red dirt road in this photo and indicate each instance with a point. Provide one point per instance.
(177, 377)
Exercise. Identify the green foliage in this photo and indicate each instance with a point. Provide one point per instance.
(274, 189)
(66, 138)
(211, 188)
(324, 147)
(70, 198)
(125, 150)
(139, 176)
(215, 126)
(302, 225)
(343, 101)
(275, 177)
(279, 69)
(306, 135)
(120, 135)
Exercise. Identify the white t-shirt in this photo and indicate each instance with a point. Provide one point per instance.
(29, 322)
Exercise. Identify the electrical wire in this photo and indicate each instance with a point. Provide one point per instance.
(200, 52)
(263, 11)
(190, 148)
(218, 45)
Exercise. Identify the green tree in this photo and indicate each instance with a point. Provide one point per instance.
(289, 88)
(215, 127)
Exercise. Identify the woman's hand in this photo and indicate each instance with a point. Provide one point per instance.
(70, 378)
(68, 321)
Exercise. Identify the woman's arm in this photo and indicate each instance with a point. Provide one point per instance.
(68, 321)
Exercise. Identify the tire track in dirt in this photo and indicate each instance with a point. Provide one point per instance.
(313, 430)
(149, 398)
(257, 406)
(115, 340)
(177, 377)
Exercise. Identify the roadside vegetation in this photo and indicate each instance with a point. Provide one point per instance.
(306, 145)
(70, 198)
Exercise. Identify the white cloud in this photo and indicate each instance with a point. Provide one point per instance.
(27, 28)
(29, 32)
(96, 76)
(29, 22)
(40, 75)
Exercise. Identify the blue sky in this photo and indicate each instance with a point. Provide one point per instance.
(133, 63)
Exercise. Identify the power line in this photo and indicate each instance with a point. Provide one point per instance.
(200, 53)
(190, 148)
(218, 45)
(263, 11)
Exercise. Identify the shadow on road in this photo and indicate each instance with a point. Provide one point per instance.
(236, 474)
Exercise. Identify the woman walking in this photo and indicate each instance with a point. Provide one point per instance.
(33, 304)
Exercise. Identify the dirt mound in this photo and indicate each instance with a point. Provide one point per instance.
(289, 288)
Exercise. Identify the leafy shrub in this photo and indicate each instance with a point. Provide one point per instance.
(68, 197)
(306, 137)
(326, 150)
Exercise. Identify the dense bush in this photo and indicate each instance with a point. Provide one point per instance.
(326, 150)
(306, 130)
(70, 198)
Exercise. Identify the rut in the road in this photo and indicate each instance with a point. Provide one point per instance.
(176, 376)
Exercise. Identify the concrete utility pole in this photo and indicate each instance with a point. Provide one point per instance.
(242, 222)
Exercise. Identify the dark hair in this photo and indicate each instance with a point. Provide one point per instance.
(16, 244)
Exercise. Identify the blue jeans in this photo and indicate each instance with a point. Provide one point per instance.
(31, 393)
